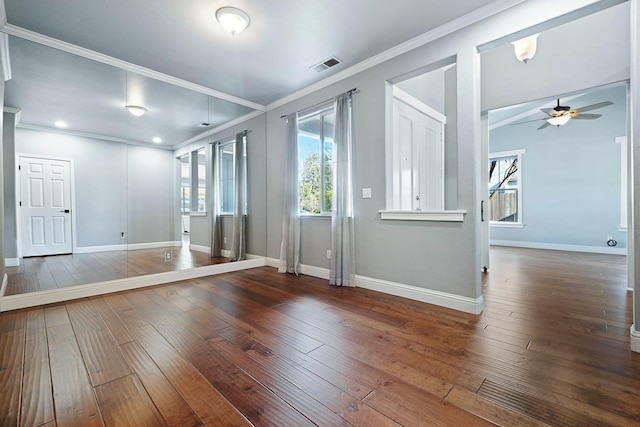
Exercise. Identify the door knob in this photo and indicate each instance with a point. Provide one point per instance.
(66, 211)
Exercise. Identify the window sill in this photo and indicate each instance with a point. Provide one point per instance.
(194, 213)
(448, 215)
(316, 216)
(506, 225)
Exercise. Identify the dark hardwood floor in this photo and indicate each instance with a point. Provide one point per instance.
(266, 349)
(61, 271)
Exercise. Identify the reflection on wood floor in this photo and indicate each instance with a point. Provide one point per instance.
(61, 271)
(260, 348)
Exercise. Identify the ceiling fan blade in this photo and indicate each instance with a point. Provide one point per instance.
(594, 106)
(544, 125)
(581, 116)
(527, 121)
(546, 110)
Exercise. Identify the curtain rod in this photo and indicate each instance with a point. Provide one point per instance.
(352, 91)
(246, 131)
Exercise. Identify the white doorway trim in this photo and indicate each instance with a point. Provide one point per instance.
(19, 195)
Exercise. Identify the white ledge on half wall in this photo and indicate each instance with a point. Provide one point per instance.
(448, 215)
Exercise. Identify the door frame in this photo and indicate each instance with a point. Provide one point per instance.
(18, 191)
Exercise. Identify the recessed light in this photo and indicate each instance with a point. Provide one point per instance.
(61, 124)
(157, 140)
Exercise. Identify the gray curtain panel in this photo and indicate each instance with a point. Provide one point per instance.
(216, 231)
(290, 247)
(239, 246)
(342, 270)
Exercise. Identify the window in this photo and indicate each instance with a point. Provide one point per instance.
(201, 173)
(316, 160)
(226, 171)
(185, 184)
(505, 187)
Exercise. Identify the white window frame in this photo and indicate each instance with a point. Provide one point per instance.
(518, 153)
(624, 167)
(220, 146)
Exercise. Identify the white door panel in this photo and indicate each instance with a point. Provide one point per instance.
(45, 195)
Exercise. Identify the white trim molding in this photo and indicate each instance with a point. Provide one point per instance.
(31, 299)
(442, 299)
(126, 247)
(447, 215)
(560, 247)
(199, 248)
(635, 339)
(12, 262)
(3, 287)
(4, 56)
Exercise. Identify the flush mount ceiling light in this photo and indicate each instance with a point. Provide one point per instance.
(525, 48)
(136, 110)
(60, 124)
(232, 19)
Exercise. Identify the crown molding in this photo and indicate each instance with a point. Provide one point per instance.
(3, 15)
(5, 58)
(217, 129)
(92, 135)
(439, 32)
(109, 60)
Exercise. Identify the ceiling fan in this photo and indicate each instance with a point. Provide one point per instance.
(561, 114)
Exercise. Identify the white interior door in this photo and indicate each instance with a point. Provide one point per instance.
(45, 206)
(419, 140)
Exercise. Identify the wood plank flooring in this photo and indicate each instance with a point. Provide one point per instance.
(61, 271)
(266, 349)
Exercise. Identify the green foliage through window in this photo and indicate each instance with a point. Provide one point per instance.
(315, 161)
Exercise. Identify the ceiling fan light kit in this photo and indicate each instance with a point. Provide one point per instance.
(559, 120)
(561, 114)
(232, 19)
(526, 48)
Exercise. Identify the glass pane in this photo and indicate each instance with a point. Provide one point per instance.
(309, 164)
(202, 179)
(227, 152)
(328, 161)
(185, 176)
(503, 189)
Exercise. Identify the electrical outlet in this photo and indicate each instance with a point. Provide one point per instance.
(167, 255)
(366, 193)
(122, 235)
(328, 253)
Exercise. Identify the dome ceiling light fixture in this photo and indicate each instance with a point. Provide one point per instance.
(525, 48)
(232, 19)
(136, 110)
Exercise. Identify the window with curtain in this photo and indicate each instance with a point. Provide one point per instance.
(316, 159)
(201, 170)
(226, 160)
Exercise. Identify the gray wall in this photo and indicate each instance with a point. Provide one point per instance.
(150, 190)
(2, 232)
(118, 188)
(9, 173)
(571, 176)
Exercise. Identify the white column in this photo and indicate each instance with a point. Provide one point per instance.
(635, 153)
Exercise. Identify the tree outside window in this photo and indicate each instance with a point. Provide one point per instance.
(316, 161)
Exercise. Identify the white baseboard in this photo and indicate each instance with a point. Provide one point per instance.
(3, 287)
(12, 262)
(443, 299)
(559, 247)
(635, 340)
(154, 245)
(15, 302)
(126, 247)
(105, 248)
(198, 248)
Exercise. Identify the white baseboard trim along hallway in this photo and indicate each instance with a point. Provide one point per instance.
(442, 299)
(559, 247)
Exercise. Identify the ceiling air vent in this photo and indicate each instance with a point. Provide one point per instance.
(205, 124)
(326, 64)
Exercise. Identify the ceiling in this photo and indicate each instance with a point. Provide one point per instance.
(219, 78)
